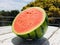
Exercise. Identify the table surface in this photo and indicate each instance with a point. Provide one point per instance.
(51, 37)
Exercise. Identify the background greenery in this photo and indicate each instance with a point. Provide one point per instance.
(52, 8)
(6, 17)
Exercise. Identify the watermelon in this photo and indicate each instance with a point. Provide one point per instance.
(31, 23)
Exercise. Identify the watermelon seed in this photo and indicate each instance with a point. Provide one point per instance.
(28, 13)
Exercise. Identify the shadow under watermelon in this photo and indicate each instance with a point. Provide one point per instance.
(19, 41)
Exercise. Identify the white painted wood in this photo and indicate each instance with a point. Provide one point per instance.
(1, 43)
(50, 31)
(12, 39)
(5, 29)
(7, 36)
(55, 39)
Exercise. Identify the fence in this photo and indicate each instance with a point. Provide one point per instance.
(55, 22)
(7, 20)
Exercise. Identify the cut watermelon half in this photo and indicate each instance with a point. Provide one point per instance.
(28, 21)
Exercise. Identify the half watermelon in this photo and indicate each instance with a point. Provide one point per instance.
(31, 23)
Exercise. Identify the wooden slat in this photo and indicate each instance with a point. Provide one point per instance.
(7, 36)
(55, 39)
(51, 38)
(5, 29)
(50, 31)
(0, 43)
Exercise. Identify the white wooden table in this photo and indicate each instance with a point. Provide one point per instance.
(52, 37)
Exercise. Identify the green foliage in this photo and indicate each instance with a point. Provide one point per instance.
(14, 12)
(6, 17)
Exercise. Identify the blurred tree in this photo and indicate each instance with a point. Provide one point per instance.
(6, 17)
(14, 12)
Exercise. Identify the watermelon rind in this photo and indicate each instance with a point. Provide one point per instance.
(36, 32)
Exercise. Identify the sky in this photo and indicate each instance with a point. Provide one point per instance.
(13, 4)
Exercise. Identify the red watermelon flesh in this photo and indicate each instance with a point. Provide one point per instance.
(28, 20)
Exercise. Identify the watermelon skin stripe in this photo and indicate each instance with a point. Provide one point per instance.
(32, 35)
(46, 19)
(28, 36)
(42, 29)
(24, 36)
(37, 33)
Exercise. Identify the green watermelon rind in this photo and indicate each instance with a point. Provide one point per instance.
(30, 34)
